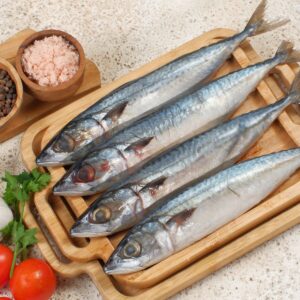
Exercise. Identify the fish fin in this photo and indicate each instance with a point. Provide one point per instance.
(139, 145)
(287, 50)
(116, 112)
(181, 217)
(258, 24)
(294, 93)
(154, 185)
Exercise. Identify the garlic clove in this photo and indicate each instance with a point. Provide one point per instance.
(5, 215)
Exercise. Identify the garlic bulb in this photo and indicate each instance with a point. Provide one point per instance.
(5, 215)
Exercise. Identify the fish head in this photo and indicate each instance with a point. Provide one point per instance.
(95, 173)
(144, 245)
(71, 143)
(111, 213)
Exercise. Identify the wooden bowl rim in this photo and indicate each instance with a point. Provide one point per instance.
(38, 36)
(7, 66)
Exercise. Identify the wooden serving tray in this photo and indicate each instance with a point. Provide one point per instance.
(32, 110)
(73, 256)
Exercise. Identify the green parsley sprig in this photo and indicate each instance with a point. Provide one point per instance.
(18, 191)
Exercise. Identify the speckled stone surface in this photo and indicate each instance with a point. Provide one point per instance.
(123, 35)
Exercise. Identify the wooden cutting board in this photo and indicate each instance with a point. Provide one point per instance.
(73, 256)
(31, 109)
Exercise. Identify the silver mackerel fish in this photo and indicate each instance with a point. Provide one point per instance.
(131, 148)
(221, 146)
(138, 98)
(200, 210)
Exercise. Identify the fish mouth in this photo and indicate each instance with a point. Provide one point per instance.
(72, 189)
(50, 160)
(114, 268)
(87, 230)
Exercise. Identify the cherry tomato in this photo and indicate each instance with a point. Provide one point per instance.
(33, 279)
(6, 257)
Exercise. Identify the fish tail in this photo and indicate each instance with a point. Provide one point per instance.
(294, 93)
(287, 51)
(257, 23)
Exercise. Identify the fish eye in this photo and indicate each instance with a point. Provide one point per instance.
(85, 174)
(132, 249)
(64, 144)
(100, 215)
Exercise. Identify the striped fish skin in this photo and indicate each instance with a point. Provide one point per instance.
(200, 210)
(134, 146)
(141, 97)
(100, 121)
(221, 146)
(120, 109)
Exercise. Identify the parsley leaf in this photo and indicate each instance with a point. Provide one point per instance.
(28, 238)
(7, 230)
(18, 191)
(24, 176)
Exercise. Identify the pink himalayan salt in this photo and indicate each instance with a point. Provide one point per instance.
(50, 61)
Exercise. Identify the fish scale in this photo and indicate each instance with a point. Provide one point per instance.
(128, 202)
(201, 209)
(139, 98)
(136, 99)
(228, 92)
(162, 130)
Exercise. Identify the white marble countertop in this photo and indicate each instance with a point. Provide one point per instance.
(123, 35)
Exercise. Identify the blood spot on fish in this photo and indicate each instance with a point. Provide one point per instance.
(85, 174)
(153, 191)
(105, 166)
(138, 150)
(154, 186)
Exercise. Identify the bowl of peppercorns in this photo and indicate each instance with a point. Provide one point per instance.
(11, 91)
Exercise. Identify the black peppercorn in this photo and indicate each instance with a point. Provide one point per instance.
(8, 93)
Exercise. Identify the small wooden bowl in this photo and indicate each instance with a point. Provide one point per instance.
(51, 93)
(5, 65)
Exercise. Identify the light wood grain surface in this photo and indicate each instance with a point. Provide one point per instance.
(58, 218)
(121, 36)
(31, 110)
